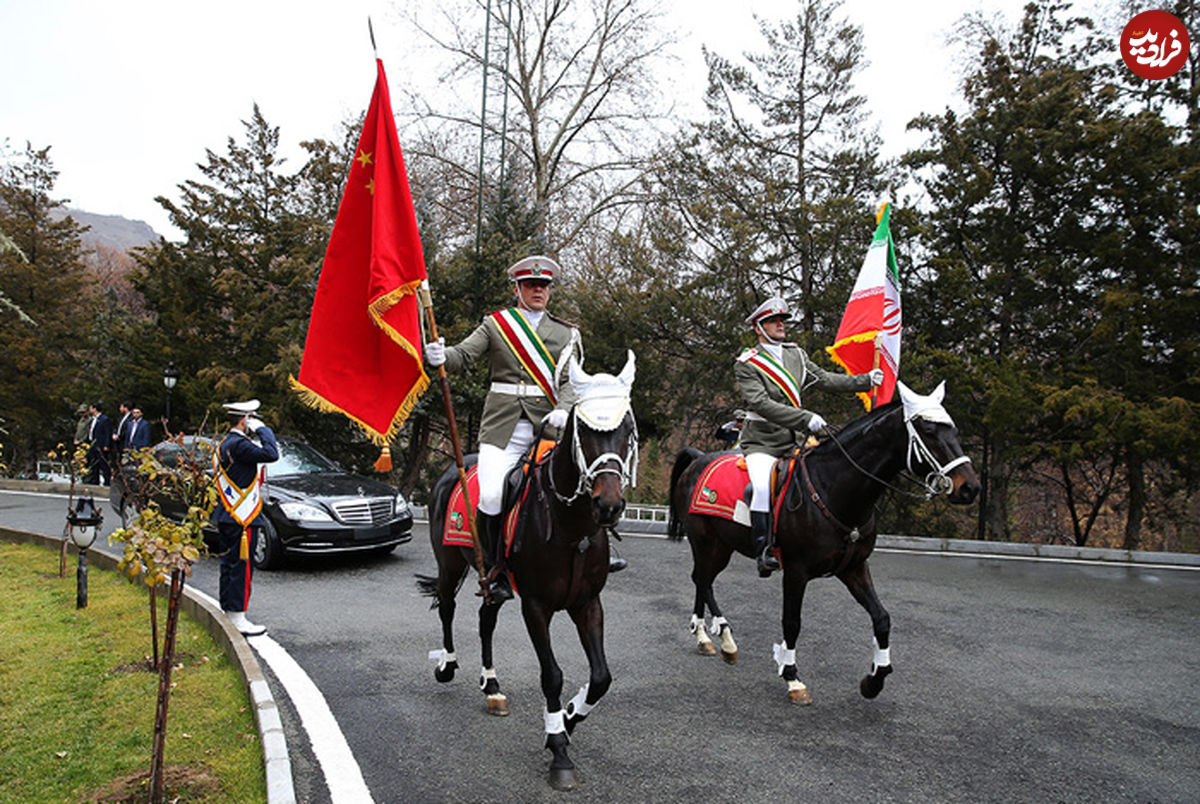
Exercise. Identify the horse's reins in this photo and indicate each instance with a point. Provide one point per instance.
(936, 482)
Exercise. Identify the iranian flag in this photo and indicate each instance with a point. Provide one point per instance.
(869, 335)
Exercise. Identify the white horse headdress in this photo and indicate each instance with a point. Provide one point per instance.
(928, 407)
(602, 399)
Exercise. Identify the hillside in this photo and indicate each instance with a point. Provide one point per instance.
(112, 231)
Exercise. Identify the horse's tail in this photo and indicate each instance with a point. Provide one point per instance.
(427, 585)
(439, 502)
(683, 459)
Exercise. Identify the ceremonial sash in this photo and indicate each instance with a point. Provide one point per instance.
(528, 348)
(776, 373)
(242, 504)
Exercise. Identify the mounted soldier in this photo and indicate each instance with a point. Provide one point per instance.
(770, 378)
(527, 349)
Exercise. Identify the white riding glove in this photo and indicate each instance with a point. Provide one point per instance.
(435, 352)
(556, 418)
(815, 423)
(876, 376)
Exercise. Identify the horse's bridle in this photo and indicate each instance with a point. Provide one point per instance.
(589, 471)
(936, 482)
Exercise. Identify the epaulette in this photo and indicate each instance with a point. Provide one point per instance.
(562, 321)
(747, 354)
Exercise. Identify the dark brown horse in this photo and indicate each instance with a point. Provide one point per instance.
(825, 519)
(560, 561)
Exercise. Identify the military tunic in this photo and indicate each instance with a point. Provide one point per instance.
(773, 429)
(502, 410)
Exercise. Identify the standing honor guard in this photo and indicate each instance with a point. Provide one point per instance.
(240, 488)
(527, 350)
(770, 377)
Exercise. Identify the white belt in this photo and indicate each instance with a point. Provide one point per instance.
(516, 389)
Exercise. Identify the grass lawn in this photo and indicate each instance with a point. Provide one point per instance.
(77, 696)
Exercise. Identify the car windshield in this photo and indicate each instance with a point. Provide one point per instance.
(299, 459)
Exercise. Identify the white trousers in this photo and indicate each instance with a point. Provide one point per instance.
(495, 464)
(759, 464)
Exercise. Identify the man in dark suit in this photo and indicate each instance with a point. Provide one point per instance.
(137, 430)
(100, 437)
(120, 432)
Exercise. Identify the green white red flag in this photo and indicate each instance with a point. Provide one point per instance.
(871, 323)
(362, 357)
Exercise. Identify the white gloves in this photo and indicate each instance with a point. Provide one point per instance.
(253, 423)
(435, 352)
(876, 376)
(815, 423)
(556, 418)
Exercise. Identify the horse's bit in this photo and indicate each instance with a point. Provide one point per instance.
(938, 481)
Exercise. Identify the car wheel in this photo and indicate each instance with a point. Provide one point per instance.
(268, 551)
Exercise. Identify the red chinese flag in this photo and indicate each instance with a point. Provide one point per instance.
(362, 357)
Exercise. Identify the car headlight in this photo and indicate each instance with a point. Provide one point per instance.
(304, 512)
(400, 506)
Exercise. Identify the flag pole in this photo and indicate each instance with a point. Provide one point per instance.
(878, 354)
(427, 303)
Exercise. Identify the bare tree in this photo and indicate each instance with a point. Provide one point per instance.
(581, 102)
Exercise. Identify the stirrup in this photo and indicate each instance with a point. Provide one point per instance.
(767, 563)
(494, 587)
(616, 564)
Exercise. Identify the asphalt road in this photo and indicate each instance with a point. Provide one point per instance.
(1014, 681)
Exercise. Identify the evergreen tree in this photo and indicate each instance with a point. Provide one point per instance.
(42, 277)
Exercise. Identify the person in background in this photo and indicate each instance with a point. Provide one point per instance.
(100, 438)
(83, 424)
(731, 431)
(120, 435)
(238, 514)
(137, 430)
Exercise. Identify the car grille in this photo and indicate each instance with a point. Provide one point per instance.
(365, 511)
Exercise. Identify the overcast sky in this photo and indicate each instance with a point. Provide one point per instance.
(130, 92)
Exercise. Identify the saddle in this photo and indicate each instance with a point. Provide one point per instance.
(455, 532)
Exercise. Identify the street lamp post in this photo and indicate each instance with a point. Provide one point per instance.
(170, 376)
(84, 520)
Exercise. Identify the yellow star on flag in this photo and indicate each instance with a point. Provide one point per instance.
(363, 158)
(371, 186)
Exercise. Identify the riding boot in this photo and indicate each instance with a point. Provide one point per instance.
(760, 532)
(491, 543)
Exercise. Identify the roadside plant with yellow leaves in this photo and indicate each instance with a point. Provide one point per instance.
(159, 550)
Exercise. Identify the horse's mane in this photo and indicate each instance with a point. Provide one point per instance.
(861, 426)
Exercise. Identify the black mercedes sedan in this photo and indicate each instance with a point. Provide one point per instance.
(312, 505)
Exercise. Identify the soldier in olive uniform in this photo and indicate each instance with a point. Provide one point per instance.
(527, 350)
(770, 377)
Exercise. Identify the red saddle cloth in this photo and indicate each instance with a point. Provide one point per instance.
(456, 533)
(721, 490)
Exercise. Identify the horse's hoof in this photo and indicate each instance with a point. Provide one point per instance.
(799, 695)
(872, 685)
(497, 704)
(730, 657)
(444, 674)
(563, 779)
(706, 649)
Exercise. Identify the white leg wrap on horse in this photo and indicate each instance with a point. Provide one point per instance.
(443, 657)
(484, 674)
(555, 724)
(727, 643)
(784, 657)
(697, 624)
(578, 706)
(717, 624)
(883, 656)
(796, 685)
